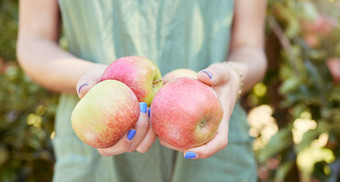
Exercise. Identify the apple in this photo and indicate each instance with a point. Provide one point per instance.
(186, 113)
(312, 40)
(105, 114)
(321, 25)
(178, 73)
(333, 65)
(138, 73)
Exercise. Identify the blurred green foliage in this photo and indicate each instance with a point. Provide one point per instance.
(8, 28)
(26, 112)
(302, 39)
(302, 36)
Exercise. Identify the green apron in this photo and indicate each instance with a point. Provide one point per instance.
(174, 34)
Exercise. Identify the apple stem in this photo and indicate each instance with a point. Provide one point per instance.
(157, 81)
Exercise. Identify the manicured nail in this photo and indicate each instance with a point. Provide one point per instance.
(131, 134)
(206, 72)
(143, 107)
(149, 112)
(81, 86)
(190, 155)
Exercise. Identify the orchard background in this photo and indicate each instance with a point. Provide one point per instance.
(294, 113)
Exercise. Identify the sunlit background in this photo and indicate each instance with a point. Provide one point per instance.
(294, 113)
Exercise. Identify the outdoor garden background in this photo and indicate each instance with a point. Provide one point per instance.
(294, 113)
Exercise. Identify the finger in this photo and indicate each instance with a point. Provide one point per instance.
(141, 127)
(147, 142)
(83, 86)
(215, 74)
(165, 144)
(216, 144)
(149, 138)
(121, 147)
(86, 82)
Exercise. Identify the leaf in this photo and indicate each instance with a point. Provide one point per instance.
(335, 95)
(289, 85)
(309, 10)
(280, 141)
(315, 75)
(293, 27)
(3, 155)
(298, 109)
(283, 170)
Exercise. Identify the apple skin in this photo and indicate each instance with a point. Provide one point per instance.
(138, 73)
(186, 113)
(333, 65)
(321, 26)
(312, 40)
(178, 73)
(105, 114)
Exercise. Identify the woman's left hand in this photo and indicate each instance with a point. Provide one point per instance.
(226, 83)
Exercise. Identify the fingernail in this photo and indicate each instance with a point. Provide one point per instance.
(131, 134)
(81, 86)
(149, 112)
(190, 155)
(206, 72)
(143, 107)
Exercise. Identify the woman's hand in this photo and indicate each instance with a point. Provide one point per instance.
(226, 83)
(139, 139)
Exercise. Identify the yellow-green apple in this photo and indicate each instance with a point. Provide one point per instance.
(138, 73)
(178, 73)
(105, 114)
(186, 113)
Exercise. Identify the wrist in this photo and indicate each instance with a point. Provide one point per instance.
(238, 76)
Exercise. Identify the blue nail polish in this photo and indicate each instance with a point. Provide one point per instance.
(131, 134)
(190, 155)
(143, 107)
(81, 86)
(206, 72)
(149, 112)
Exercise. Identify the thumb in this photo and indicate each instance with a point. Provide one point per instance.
(87, 81)
(83, 86)
(214, 75)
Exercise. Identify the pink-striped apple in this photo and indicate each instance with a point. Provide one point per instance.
(186, 113)
(138, 73)
(105, 114)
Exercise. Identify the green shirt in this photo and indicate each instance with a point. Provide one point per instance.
(174, 34)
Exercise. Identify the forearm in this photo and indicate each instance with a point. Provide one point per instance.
(247, 41)
(50, 66)
(251, 61)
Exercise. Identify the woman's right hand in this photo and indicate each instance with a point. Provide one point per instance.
(140, 138)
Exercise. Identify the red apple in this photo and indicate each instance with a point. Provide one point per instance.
(186, 113)
(178, 73)
(333, 65)
(138, 73)
(312, 40)
(322, 26)
(105, 114)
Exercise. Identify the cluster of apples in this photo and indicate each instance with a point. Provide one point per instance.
(316, 29)
(184, 111)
